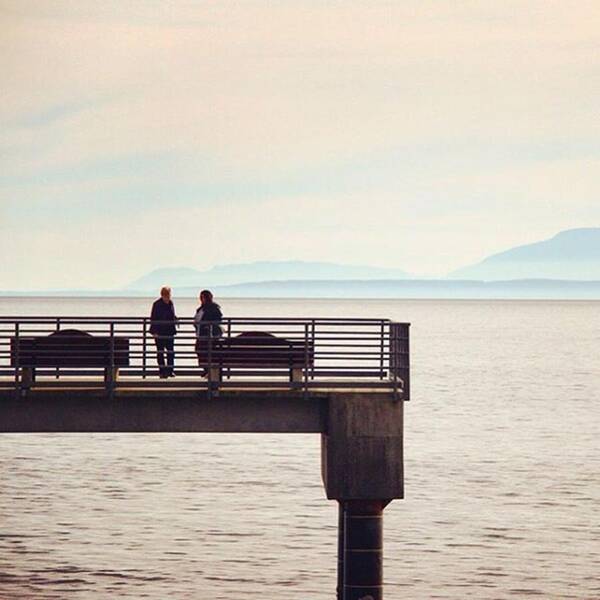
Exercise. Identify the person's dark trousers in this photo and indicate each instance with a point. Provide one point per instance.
(165, 354)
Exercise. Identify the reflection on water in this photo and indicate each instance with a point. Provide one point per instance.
(502, 466)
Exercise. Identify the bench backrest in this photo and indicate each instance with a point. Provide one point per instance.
(261, 350)
(69, 348)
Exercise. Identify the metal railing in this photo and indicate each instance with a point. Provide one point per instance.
(252, 352)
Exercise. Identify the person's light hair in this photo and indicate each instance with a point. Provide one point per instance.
(165, 290)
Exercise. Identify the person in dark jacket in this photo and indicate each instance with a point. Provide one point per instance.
(163, 329)
(206, 321)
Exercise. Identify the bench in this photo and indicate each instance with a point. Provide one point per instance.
(69, 348)
(256, 350)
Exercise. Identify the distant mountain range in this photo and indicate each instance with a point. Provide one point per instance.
(570, 255)
(564, 266)
(259, 271)
(413, 288)
(533, 289)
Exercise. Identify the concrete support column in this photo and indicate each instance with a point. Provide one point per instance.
(362, 460)
(361, 450)
(363, 550)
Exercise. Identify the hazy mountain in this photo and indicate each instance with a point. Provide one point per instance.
(259, 271)
(414, 288)
(352, 290)
(573, 254)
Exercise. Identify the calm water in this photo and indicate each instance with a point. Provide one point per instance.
(502, 464)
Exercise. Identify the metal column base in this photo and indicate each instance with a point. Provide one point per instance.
(340, 566)
(363, 550)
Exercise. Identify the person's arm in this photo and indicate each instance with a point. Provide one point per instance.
(153, 319)
(197, 319)
(217, 317)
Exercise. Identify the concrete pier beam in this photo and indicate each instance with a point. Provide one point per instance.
(158, 411)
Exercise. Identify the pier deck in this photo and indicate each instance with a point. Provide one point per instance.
(282, 353)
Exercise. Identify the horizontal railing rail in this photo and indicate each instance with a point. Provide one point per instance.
(250, 352)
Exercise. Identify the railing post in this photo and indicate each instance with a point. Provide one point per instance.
(57, 373)
(382, 350)
(313, 336)
(17, 360)
(394, 357)
(144, 347)
(406, 363)
(210, 373)
(228, 345)
(306, 371)
(110, 376)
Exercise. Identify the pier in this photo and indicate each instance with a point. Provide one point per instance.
(345, 379)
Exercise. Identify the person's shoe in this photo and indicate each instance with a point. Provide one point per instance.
(171, 374)
(163, 376)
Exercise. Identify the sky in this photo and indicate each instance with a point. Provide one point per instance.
(422, 135)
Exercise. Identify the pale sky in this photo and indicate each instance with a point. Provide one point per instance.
(421, 135)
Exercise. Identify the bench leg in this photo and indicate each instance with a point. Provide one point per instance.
(111, 375)
(214, 375)
(296, 375)
(27, 377)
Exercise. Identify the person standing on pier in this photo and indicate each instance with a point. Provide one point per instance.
(206, 321)
(163, 328)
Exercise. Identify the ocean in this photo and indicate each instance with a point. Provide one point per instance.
(502, 475)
